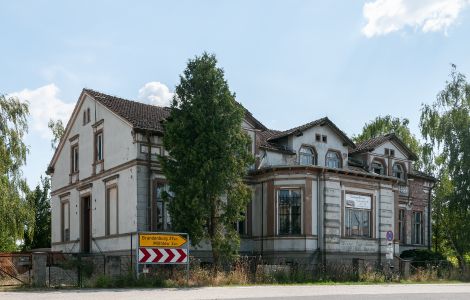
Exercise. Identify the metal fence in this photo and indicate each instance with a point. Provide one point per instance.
(15, 269)
(80, 269)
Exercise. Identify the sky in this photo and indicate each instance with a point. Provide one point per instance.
(289, 62)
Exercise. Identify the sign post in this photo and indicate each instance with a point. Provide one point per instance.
(162, 248)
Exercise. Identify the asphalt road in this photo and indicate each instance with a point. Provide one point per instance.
(293, 292)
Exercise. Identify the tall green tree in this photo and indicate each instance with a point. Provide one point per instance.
(14, 211)
(388, 124)
(57, 129)
(445, 125)
(39, 200)
(208, 158)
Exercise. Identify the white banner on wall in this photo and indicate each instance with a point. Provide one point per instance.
(358, 201)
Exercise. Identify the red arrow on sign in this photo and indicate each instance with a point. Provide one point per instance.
(170, 255)
(145, 256)
(183, 255)
(162, 256)
(159, 255)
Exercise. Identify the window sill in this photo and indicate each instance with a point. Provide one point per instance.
(358, 238)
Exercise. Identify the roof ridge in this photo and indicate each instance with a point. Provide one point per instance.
(101, 94)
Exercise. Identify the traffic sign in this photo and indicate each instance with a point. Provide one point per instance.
(160, 240)
(163, 256)
(389, 235)
(161, 248)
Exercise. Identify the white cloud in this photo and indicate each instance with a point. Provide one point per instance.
(155, 93)
(386, 16)
(45, 104)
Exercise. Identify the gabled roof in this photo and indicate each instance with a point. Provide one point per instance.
(139, 115)
(371, 144)
(319, 122)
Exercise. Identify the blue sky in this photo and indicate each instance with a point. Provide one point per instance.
(289, 62)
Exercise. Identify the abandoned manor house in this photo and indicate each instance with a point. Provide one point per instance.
(315, 193)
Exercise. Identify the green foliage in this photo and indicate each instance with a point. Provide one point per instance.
(39, 200)
(445, 126)
(422, 257)
(388, 124)
(208, 158)
(57, 128)
(14, 211)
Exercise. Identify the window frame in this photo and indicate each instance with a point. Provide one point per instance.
(290, 228)
(165, 215)
(347, 233)
(63, 236)
(338, 156)
(414, 239)
(348, 212)
(74, 159)
(402, 225)
(108, 207)
(96, 144)
(403, 171)
(313, 156)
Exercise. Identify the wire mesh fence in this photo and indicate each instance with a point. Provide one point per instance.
(15, 269)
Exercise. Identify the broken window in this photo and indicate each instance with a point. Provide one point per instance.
(398, 171)
(378, 168)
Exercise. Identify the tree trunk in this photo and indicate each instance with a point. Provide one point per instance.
(213, 235)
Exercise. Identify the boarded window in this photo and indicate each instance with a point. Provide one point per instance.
(112, 210)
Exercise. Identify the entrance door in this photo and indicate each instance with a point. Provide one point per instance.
(85, 237)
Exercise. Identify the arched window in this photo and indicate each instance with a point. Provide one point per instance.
(398, 171)
(307, 156)
(378, 168)
(333, 159)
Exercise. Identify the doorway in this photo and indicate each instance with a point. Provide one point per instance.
(85, 237)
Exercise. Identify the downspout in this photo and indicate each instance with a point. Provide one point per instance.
(149, 172)
(429, 216)
(379, 206)
(262, 218)
(318, 213)
(323, 220)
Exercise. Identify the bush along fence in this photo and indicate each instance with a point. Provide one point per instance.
(57, 269)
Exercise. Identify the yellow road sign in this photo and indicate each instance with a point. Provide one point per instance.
(161, 240)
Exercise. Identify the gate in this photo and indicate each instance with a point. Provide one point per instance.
(15, 269)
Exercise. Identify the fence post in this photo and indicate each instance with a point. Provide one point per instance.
(39, 264)
(405, 269)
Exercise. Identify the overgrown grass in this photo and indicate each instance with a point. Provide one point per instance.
(249, 272)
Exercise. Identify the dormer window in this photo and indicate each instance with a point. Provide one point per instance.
(398, 171)
(307, 156)
(378, 168)
(333, 159)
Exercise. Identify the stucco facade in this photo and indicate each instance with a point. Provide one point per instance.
(315, 194)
